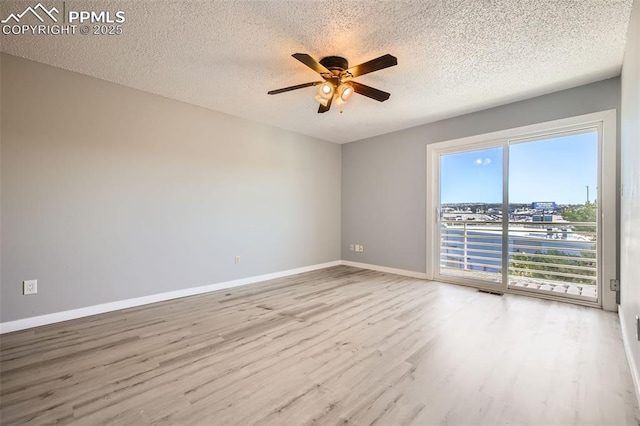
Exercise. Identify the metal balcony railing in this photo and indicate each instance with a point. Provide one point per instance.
(557, 252)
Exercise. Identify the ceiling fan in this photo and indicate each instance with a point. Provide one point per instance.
(337, 83)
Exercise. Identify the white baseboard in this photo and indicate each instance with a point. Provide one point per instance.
(404, 272)
(21, 324)
(629, 353)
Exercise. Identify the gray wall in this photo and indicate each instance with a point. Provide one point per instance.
(630, 200)
(110, 193)
(384, 178)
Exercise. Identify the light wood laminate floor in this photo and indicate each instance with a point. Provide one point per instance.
(336, 346)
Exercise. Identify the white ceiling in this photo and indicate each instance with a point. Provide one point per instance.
(454, 56)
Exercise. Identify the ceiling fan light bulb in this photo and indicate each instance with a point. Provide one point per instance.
(345, 91)
(325, 91)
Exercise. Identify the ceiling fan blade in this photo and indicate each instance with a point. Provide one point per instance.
(370, 92)
(299, 86)
(313, 64)
(323, 108)
(380, 63)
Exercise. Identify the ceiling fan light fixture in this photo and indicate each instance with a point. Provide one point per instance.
(345, 90)
(322, 101)
(326, 90)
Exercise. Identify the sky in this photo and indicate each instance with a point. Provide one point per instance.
(554, 169)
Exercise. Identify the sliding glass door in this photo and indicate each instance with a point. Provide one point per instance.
(470, 215)
(521, 214)
(553, 204)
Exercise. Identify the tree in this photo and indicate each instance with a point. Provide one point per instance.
(586, 213)
(543, 264)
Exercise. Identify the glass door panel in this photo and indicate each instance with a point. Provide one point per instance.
(470, 215)
(553, 215)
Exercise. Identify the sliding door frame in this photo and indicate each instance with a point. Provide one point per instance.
(438, 150)
(605, 122)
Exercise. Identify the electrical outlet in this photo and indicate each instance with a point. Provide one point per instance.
(361, 248)
(351, 247)
(30, 287)
(237, 260)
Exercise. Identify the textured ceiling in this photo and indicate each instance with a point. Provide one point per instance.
(454, 56)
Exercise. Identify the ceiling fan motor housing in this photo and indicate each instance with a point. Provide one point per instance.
(334, 63)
